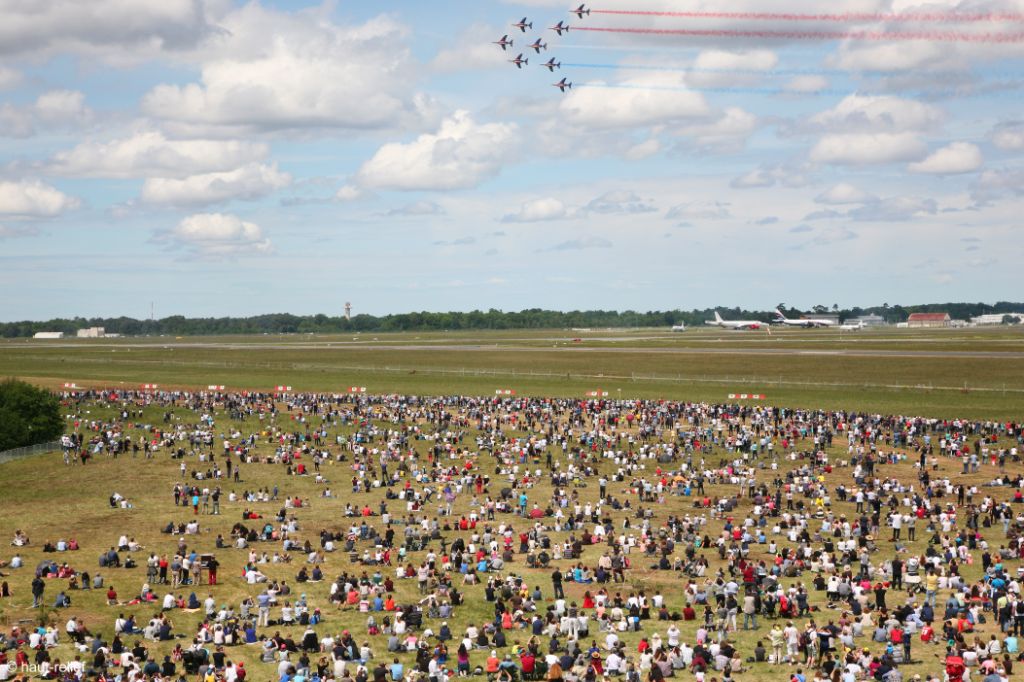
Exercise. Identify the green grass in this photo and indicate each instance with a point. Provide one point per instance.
(640, 363)
(50, 501)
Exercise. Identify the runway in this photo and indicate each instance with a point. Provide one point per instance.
(495, 348)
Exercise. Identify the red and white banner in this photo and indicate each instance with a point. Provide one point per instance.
(283, 389)
(357, 389)
(746, 396)
(597, 394)
(70, 385)
(150, 387)
(215, 387)
(504, 391)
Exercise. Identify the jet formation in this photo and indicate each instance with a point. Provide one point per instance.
(561, 27)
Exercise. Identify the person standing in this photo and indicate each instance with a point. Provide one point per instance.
(38, 587)
(556, 584)
(777, 640)
(897, 574)
(211, 569)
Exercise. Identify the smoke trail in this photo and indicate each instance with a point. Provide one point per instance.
(824, 92)
(834, 73)
(933, 36)
(908, 17)
(737, 90)
(702, 69)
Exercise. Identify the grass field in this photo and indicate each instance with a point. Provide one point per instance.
(49, 500)
(977, 373)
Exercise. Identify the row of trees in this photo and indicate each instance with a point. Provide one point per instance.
(533, 318)
(28, 415)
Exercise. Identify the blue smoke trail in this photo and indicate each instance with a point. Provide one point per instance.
(834, 73)
(1013, 89)
(700, 69)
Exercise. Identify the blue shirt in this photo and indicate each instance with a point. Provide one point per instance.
(397, 669)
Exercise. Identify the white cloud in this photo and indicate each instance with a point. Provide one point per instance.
(349, 193)
(460, 155)
(834, 235)
(1009, 136)
(213, 235)
(273, 71)
(843, 193)
(759, 60)
(643, 150)
(7, 232)
(115, 29)
(581, 244)
(468, 52)
(418, 208)
(867, 148)
(728, 132)
(771, 175)
(620, 201)
(995, 184)
(53, 110)
(16, 121)
(537, 210)
(32, 198)
(957, 157)
(894, 209)
(152, 154)
(699, 210)
(640, 101)
(725, 68)
(801, 84)
(872, 114)
(62, 105)
(9, 77)
(251, 181)
(460, 241)
(893, 56)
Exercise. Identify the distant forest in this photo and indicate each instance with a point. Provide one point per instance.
(533, 318)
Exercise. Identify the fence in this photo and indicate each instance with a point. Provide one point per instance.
(28, 451)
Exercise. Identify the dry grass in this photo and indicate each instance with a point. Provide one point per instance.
(50, 500)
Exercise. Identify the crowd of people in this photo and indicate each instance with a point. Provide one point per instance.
(573, 540)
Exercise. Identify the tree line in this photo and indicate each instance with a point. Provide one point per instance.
(533, 318)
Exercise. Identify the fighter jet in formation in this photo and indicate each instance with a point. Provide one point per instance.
(519, 61)
(523, 25)
(560, 28)
(538, 46)
(562, 85)
(580, 11)
(504, 42)
(551, 65)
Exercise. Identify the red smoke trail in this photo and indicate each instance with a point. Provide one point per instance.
(934, 36)
(909, 17)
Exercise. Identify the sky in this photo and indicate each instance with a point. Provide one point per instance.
(219, 158)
